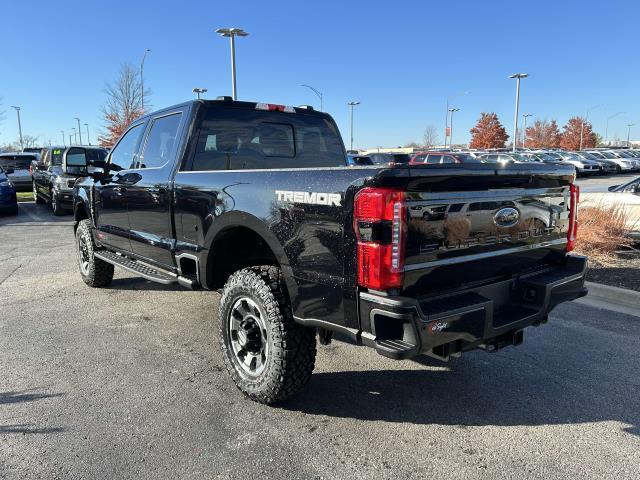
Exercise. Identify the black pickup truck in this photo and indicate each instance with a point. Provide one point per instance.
(254, 200)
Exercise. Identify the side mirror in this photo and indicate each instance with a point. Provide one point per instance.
(612, 187)
(8, 170)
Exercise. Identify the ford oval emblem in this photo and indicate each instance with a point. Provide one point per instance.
(506, 217)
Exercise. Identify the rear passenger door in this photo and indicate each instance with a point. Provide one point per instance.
(149, 189)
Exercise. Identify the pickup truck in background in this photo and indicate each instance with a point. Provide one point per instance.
(255, 200)
(57, 169)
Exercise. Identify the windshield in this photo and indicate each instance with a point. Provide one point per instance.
(588, 156)
(553, 156)
(608, 155)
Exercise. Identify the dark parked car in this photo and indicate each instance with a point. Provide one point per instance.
(56, 172)
(389, 158)
(255, 200)
(358, 160)
(19, 164)
(8, 199)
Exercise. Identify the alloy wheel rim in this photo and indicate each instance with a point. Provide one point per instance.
(83, 255)
(248, 336)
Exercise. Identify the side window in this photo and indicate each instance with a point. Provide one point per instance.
(448, 159)
(160, 142)
(456, 207)
(433, 159)
(124, 154)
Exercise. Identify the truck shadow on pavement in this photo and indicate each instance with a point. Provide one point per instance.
(474, 393)
(27, 428)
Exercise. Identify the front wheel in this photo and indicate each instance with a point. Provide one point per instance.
(268, 355)
(36, 197)
(94, 272)
(55, 204)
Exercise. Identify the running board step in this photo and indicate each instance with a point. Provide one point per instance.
(144, 270)
(396, 349)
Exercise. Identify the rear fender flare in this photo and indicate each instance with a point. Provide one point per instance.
(258, 226)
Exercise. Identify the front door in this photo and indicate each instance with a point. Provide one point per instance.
(112, 220)
(149, 194)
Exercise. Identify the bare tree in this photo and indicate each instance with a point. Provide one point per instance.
(123, 104)
(430, 137)
(30, 141)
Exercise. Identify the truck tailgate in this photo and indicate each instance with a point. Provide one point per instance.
(483, 224)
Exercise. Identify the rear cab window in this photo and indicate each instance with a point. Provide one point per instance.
(235, 139)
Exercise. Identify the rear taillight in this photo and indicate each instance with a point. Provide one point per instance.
(379, 222)
(572, 234)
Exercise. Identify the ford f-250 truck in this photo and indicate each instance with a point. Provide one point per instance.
(254, 200)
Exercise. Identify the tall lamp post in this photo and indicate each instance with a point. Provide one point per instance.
(446, 122)
(629, 125)
(586, 120)
(63, 139)
(75, 136)
(232, 33)
(19, 126)
(606, 130)
(70, 139)
(88, 139)
(452, 111)
(352, 104)
(317, 92)
(198, 91)
(518, 77)
(144, 56)
(524, 132)
(79, 129)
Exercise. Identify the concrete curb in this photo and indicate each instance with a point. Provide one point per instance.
(612, 298)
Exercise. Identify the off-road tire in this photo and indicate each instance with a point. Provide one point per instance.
(36, 196)
(58, 210)
(291, 347)
(97, 273)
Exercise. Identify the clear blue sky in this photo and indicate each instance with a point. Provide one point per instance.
(401, 59)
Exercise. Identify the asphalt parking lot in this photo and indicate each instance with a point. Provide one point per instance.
(127, 382)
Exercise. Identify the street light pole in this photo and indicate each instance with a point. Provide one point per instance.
(629, 125)
(144, 56)
(446, 122)
(63, 139)
(606, 130)
(524, 133)
(19, 126)
(198, 91)
(352, 104)
(75, 136)
(317, 92)
(518, 77)
(231, 33)
(452, 110)
(70, 142)
(88, 139)
(79, 129)
(586, 119)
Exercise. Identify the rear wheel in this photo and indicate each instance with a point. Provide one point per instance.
(36, 197)
(268, 355)
(94, 272)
